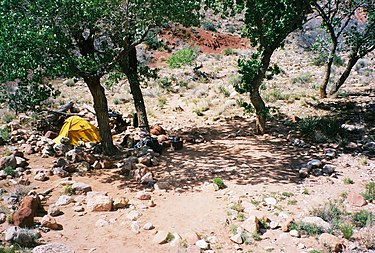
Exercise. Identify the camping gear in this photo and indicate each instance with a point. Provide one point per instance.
(78, 129)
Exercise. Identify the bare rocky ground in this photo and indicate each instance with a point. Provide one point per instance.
(265, 193)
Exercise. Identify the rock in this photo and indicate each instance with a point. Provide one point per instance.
(3, 218)
(61, 149)
(328, 169)
(120, 202)
(106, 163)
(59, 171)
(78, 209)
(147, 178)
(146, 160)
(21, 162)
(202, 244)
(332, 242)
(160, 237)
(133, 215)
(41, 175)
(304, 172)
(294, 233)
(330, 153)
(148, 226)
(81, 188)
(64, 200)
(52, 248)
(143, 196)
(274, 224)
(21, 236)
(176, 242)
(54, 211)
(24, 216)
(251, 224)
(355, 199)
(50, 222)
(312, 164)
(317, 221)
(101, 223)
(286, 225)
(98, 201)
(270, 201)
(157, 130)
(27, 149)
(61, 162)
(236, 239)
(135, 227)
(8, 161)
(65, 140)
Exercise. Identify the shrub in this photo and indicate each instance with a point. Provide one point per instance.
(256, 236)
(346, 230)
(4, 134)
(363, 218)
(208, 26)
(170, 237)
(229, 51)
(241, 216)
(198, 111)
(348, 180)
(304, 78)
(369, 193)
(219, 182)
(162, 102)
(307, 229)
(8, 117)
(10, 171)
(224, 91)
(182, 57)
(320, 128)
(68, 190)
(330, 212)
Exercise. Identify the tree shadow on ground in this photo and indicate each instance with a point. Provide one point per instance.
(230, 151)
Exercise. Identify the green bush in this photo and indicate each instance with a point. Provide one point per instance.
(229, 51)
(10, 171)
(182, 57)
(219, 182)
(347, 230)
(363, 218)
(4, 134)
(307, 229)
(330, 212)
(369, 193)
(224, 91)
(321, 129)
(208, 26)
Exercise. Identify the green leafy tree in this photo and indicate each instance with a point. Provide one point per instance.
(339, 19)
(267, 23)
(87, 39)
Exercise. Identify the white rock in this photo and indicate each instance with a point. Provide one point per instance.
(236, 239)
(98, 201)
(294, 233)
(101, 223)
(176, 240)
(64, 200)
(270, 201)
(202, 244)
(133, 215)
(317, 221)
(148, 226)
(135, 227)
(160, 237)
(52, 248)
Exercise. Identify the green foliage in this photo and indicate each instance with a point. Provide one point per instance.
(330, 212)
(287, 194)
(170, 237)
(314, 127)
(248, 108)
(307, 228)
(68, 190)
(10, 171)
(224, 91)
(363, 218)
(241, 216)
(229, 51)
(303, 78)
(346, 230)
(8, 116)
(369, 193)
(8, 250)
(245, 238)
(182, 57)
(4, 134)
(237, 207)
(162, 102)
(348, 180)
(256, 236)
(198, 111)
(153, 42)
(208, 26)
(315, 251)
(219, 182)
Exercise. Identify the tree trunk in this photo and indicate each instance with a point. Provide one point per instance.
(256, 99)
(260, 110)
(129, 67)
(101, 109)
(327, 72)
(351, 63)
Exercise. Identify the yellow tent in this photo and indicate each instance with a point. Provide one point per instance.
(78, 129)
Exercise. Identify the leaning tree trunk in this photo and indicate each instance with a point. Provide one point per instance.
(351, 63)
(327, 72)
(129, 67)
(101, 109)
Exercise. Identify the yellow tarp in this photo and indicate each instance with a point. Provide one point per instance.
(78, 129)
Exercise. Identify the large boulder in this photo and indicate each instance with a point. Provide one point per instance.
(21, 236)
(8, 161)
(98, 201)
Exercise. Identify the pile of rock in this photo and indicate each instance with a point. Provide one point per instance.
(318, 167)
(14, 165)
